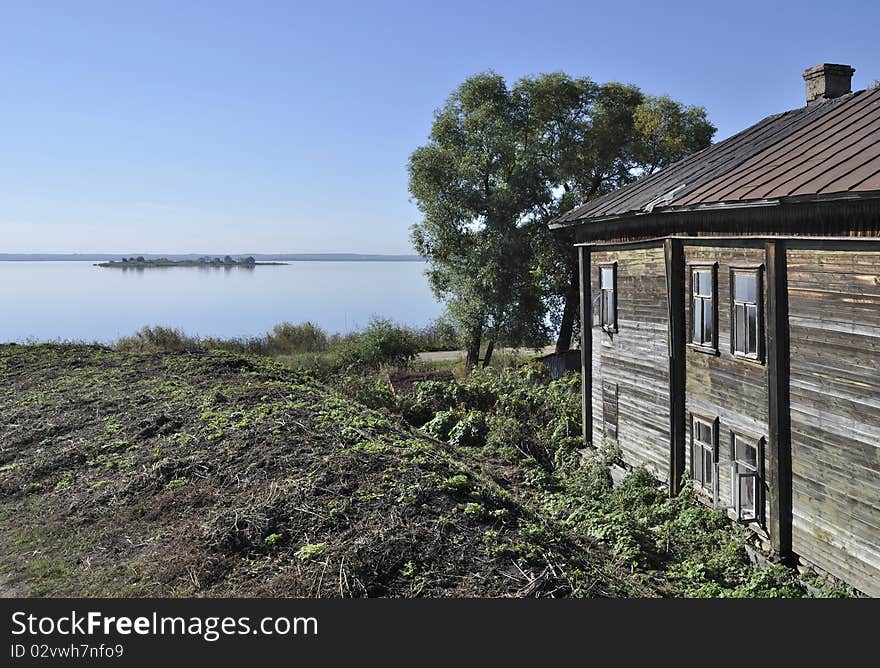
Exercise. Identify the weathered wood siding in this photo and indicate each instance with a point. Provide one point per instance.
(834, 319)
(635, 358)
(722, 386)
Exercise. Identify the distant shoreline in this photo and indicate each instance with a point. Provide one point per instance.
(164, 264)
(194, 257)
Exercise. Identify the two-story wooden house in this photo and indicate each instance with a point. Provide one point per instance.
(731, 325)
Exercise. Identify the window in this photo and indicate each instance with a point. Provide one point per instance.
(610, 409)
(704, 454)
(608, 297)
(703, 289)
(746, 318)
(746, 456)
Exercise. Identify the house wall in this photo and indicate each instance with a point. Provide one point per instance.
(720, 385)
(635, 358)
(834, 320)
(834, 365)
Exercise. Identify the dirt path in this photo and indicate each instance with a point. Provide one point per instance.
(445, 355)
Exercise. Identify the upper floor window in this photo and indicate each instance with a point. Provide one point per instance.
(746, 326)
(608, 297)
(703, 299)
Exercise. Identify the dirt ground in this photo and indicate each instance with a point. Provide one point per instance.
(212, 474)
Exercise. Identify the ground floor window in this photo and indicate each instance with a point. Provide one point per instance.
(609, 409)
(745, 478)
(704, 457)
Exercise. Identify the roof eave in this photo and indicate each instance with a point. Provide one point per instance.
(721, 206)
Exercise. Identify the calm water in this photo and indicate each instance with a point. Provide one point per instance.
(77, 301)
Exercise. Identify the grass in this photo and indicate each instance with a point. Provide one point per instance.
(220, 474)
(231, 473)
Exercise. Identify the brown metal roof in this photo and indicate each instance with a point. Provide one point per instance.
(824, 149)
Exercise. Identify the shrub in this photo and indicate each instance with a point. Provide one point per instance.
(470, 432)
(289, 338)
(157, 339)
(441, 334)
(442, 424)
(382, 343)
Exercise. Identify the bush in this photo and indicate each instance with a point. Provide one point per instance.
(157, 339)
(381, 344)
(470, 432)
(289, 338)
(441, 334)
(442, 424)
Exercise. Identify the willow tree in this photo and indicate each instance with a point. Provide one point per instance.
(472, 183)
(500, 163)
(593, 139)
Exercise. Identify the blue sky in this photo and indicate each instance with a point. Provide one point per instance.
(285, 126)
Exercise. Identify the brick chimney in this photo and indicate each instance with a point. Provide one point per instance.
(828, 81)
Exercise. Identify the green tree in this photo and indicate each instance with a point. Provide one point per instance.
(594, 139)
(472, 183)
(501, 163)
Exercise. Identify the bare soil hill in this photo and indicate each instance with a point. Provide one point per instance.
(214, 474)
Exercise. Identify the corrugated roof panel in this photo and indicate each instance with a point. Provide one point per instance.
(855, 177)
(781, 157)
(828, 147)
(831, 155)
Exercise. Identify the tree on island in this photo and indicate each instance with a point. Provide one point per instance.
(500, 163)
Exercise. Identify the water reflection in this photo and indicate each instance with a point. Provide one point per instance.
(77, 301)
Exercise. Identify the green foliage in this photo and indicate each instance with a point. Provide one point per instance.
(470, 432)
(442, 424)
(176, 483)
(382, 343)
(502, 161)
(456, 484)
(273, 538)
(310, 551)
(303, 338)
(157, 339)
(526, 420)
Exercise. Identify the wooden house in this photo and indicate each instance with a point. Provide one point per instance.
(730, 311)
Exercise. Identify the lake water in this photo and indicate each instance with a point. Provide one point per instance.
(78, 301)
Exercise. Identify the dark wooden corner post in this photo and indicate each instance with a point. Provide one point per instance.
(676, 337)
(586, 304)
(778, 455)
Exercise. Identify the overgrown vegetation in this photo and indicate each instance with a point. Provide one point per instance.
(381, 342)
(229, 473)
(525, 429)
(218, 474)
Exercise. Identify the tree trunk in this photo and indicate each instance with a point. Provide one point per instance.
(489, 349)
(475, 337)
(569, 313)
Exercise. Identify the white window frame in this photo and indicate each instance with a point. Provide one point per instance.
(741, 469)
(698, 339)
(740, 308)
(608, 321)
(709, 448)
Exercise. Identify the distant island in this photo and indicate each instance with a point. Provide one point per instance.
(140, 262)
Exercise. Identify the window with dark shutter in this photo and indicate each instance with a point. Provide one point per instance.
(609, 409)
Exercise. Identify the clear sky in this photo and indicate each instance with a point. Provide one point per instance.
(196, 126)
